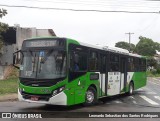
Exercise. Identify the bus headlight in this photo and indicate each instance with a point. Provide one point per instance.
(58, 90)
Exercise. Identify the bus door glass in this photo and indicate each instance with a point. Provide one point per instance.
(114, 75)
(123, 62)
(103, 73)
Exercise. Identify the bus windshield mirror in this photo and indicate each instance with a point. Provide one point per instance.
(44, 57)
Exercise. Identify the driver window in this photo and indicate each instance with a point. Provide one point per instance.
(79, 61)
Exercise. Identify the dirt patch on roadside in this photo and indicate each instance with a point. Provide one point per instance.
(9, 97)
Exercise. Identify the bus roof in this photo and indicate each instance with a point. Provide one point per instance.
(107, 48)
(111, 49)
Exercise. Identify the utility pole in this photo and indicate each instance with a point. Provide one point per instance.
(129, 40)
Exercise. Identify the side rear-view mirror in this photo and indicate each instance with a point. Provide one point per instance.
(17, 59)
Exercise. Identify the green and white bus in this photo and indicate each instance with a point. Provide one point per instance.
(63, 71)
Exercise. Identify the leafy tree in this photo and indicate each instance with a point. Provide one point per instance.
(157, 46)
(3, 26)
(3, 12)
(145, 47)
(125, 45)
(152, 62)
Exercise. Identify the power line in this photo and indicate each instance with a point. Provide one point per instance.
(69, 9)
(99, 3)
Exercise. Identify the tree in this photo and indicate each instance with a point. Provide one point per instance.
(3, 12)
(125, 45)
(157, 46)
(151, 62)
(3, 26)
(145, 47)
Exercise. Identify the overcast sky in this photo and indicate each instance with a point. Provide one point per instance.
(102, 28)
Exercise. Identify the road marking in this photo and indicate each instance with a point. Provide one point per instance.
(134, 102)
(148, 92)
(139, 89)
(132, 97)
(151, 93)
(117, 101)
(157, 97)
(148, 100)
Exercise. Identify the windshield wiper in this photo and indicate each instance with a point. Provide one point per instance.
(34, 62)
(40, 66)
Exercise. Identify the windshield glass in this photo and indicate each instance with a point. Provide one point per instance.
(43, 64)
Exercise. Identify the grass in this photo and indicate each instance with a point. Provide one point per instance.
(8, 86)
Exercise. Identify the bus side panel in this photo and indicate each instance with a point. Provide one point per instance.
(80, 86)
(83, 84)
(75, 91)
(129, 78)
(94, 80)
(102, 85)
(70, 95)
(139, 79)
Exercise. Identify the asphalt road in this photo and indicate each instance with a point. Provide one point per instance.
(146, 99)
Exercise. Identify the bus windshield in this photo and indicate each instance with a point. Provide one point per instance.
(43, 64)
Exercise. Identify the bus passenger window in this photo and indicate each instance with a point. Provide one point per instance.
(114, 63)
(131, 66)
(102, 63)
(142, 63)
(136, 64)
(93, 61)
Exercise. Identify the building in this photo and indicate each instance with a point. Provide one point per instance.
(13, 40)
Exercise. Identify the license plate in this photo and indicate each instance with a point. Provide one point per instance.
(34, 98)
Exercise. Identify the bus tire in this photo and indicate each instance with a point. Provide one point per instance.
(90, 97)
(131, 88)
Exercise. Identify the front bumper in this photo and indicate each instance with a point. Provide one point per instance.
(59, 99)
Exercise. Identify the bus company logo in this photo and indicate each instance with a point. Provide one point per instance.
(6, 115)
(35, 85)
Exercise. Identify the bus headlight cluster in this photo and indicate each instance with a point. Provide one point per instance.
(58, 90)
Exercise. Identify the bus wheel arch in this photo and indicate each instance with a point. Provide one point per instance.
(91, 95)
(131, 87)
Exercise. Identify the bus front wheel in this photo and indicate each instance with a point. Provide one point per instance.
(91, 97)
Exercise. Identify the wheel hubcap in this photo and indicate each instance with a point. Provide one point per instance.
(90, 96)
(131, 89)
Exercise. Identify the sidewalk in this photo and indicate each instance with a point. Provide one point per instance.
(8, 97)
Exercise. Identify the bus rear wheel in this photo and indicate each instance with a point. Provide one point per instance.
(131, 88)
(91, 97)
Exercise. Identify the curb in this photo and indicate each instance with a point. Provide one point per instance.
(9, 97)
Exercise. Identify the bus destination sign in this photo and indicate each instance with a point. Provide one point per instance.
(44, 43)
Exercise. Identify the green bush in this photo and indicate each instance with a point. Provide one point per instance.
(158, 71)
(154, 71)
